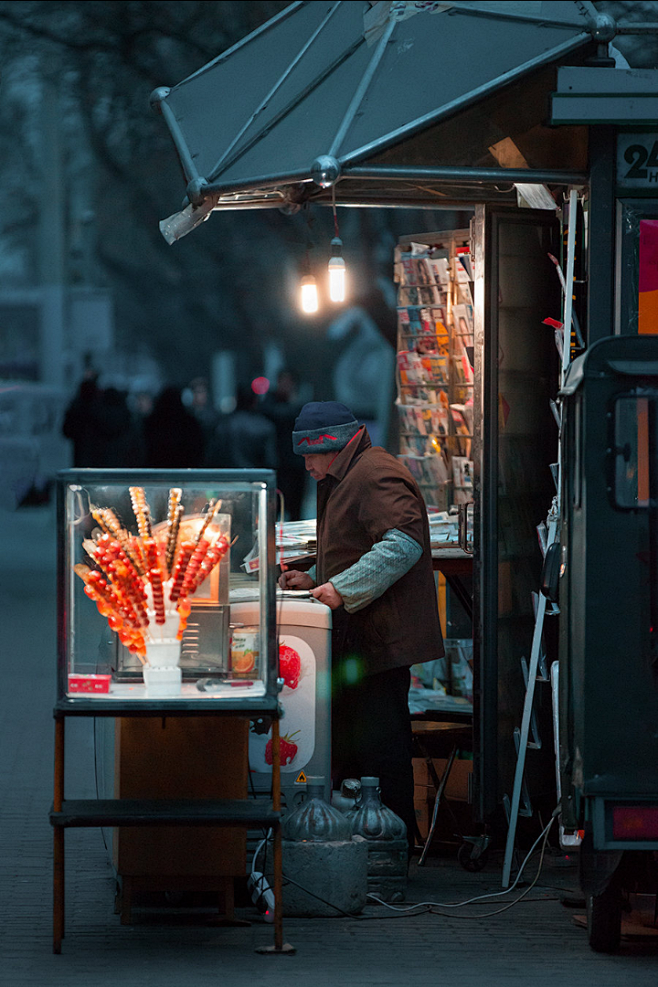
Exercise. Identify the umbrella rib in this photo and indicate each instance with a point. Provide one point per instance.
(434, 116)
(217, 169)
(293, 104)
(362, 89)
(510, 15)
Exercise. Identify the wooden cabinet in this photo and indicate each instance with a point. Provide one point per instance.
(180, 758)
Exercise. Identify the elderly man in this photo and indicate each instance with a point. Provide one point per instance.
(374, 569)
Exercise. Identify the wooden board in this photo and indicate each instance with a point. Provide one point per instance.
(180, 757)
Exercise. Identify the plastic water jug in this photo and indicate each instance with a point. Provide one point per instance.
(315, 820)
(388, 847)
(346, 799)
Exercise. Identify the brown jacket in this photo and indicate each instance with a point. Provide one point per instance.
(366, 492)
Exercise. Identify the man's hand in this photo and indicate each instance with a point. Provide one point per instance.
(294, 579)
(328, 595)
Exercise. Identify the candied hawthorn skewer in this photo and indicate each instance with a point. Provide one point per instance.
(109, 606)
(172, 539)
(141, 511)
(174, 515)
(213, 556)
(110, 555)
(192, 569)
(184, 610)
(212, 510)
(184, 555)
(109, 523)
(151, 553)
(131, 589)
(155, 577)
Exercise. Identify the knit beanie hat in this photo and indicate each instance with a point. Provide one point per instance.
(323, 426)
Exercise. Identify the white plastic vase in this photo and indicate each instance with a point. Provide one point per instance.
(162, 674)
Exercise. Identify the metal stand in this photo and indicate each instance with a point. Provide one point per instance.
(160, 812)
(279, 946)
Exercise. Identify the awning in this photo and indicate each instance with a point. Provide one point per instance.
(330, 90)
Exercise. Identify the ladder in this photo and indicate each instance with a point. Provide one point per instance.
(553, 528)
(552, 535)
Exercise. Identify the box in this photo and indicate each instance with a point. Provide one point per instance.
(458, 786)
(423, 813)
(89, 683)
(454, 819)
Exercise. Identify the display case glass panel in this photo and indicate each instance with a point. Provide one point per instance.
(147, 562)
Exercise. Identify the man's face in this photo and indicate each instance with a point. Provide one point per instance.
(317, 463)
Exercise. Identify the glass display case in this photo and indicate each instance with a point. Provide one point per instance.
(147, 562)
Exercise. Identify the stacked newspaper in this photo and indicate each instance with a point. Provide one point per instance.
(296, 540)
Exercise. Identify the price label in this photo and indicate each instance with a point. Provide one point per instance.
(637, 161)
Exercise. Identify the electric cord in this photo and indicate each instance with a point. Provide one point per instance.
(429, 905)
(317, 897)
(263, 843)
(282, 515)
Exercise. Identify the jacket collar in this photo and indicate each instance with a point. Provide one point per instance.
(346, 457)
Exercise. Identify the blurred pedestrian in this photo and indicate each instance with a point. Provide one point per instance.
(282, 407)
(202, 407)
(78, 421)
(117, 431)
(100, 425)
(245, 439)
(173, 437)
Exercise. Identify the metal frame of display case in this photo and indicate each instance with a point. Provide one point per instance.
(77, 813)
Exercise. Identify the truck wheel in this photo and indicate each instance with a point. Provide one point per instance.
(604, 920)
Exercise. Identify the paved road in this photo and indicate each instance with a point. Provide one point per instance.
(535, 942)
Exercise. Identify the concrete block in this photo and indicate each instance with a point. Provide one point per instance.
(336, 872)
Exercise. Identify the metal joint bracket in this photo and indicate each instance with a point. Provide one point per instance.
(196, 191)
(157, 97)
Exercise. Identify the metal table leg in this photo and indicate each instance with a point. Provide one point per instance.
(58, 840)
(279, 945)
(437, 802)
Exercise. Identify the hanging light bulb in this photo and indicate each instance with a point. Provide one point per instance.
(336, 271)
(336, 266)
(308, 289)
(309, 295)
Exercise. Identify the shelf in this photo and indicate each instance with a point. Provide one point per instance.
(420, 335)
(420, 435)
(429, 305)
(213, 706)
(164, 812)
(428, 383)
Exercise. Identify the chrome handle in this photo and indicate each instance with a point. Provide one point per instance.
(463, 540)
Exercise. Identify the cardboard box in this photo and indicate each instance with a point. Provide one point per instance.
(451, 823)
(423, 813)
(458, 786)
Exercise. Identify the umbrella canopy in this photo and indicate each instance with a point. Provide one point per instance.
(326, 88)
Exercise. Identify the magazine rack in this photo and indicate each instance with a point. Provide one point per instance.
(435, 364)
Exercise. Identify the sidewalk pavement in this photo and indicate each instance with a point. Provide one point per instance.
(535, 942)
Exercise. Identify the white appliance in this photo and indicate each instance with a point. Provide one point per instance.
(304, 630)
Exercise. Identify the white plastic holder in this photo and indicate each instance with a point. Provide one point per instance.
(162, 674)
